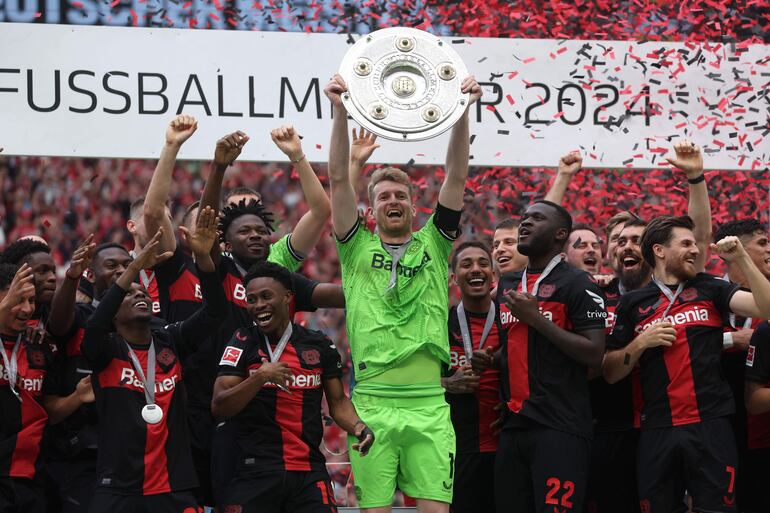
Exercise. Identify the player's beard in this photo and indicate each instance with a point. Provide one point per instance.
(632, 280)
(679, 270)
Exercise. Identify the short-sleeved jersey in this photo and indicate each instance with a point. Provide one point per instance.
(758, 371)
(278, 431)
(179, 291)
(22, 421)
(681, 384)
(615, 407)
(540, 382)
(137, 458)
(201, 366)
(386, 325)
(472, 414)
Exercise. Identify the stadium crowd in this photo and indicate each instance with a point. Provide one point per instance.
(209, 262)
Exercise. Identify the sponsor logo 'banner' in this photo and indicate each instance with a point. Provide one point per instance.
(110, 91)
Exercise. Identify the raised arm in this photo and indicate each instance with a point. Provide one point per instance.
(756, 303)
(308, 231)
(458, 153)
(63, 305)
(569, 164)
(213, 310)
(689, 159)
(22, 288)
(343, 195)
(227, 150)
(154, 213)
(364, 144)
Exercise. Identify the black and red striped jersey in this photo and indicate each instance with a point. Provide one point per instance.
(278, 431)
(137, 458)
(180, 295)
(681, 384)
(23, 418)
(540, 383)
(615, 407)
(473, 413)
(758, 371)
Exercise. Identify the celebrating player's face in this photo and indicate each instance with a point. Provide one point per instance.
(504, 250)
(473, 273)
(136, 306)
(20, 314)
(680, 254)
(537, 231)
(584, 251)
(632, 270)
(248, 238)
(107, 266)
(393, 208)
(758, 248)
(268, 303)
(612, 244)
(44, 271)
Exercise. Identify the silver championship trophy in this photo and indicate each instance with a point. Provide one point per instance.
(404, 84)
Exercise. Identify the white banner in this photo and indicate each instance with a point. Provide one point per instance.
(110, 91)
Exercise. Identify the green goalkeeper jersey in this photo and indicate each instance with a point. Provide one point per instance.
(387, 322)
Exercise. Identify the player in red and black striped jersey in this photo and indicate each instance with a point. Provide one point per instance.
(555, 319)
(139, 387)
(37, 255)
(473, 400)
(617, 407)
(27, 393)
(673, 328)
(752, 431)
(272, 379)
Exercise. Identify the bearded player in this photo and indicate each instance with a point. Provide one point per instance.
(396, 285)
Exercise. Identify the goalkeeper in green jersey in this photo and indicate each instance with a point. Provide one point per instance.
(396, 293)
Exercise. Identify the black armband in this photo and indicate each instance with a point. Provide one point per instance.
(698, 179)
(446, 219)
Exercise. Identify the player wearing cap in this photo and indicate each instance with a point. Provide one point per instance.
(673, 329)
(555, 318)
(396, 286)
(474, 400)
(272, 379)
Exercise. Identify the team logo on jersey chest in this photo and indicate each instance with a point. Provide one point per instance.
(166, 357)
(546, 290)
(36, 357)
(689, 294)
(311, 356)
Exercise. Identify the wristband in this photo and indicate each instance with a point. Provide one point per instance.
(698, 179)
(359, 421)
(298, 160)
(66, 275)
(727, 340)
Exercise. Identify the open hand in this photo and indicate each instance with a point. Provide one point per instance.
(688, 158)
(363, 145)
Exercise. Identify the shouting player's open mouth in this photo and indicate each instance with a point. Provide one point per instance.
(264, 318)
(141, 305)
(477, 282)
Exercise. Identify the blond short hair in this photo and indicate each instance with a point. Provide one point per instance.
(621, 217)
(388, 174)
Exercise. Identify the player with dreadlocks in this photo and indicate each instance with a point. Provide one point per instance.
(246, 227)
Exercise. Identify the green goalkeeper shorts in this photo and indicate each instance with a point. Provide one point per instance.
(414, 450)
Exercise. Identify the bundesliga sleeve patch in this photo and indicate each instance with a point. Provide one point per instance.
(750, 356)
(231, 356)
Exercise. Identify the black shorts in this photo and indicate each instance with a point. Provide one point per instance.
(753, 495)
(201, 428)
(225, 455)
(172, 502)
(281, 492)
(541, 470)
(21, 495)
(700, 458)
(612, 479)
(76, 482)
(474, 488)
